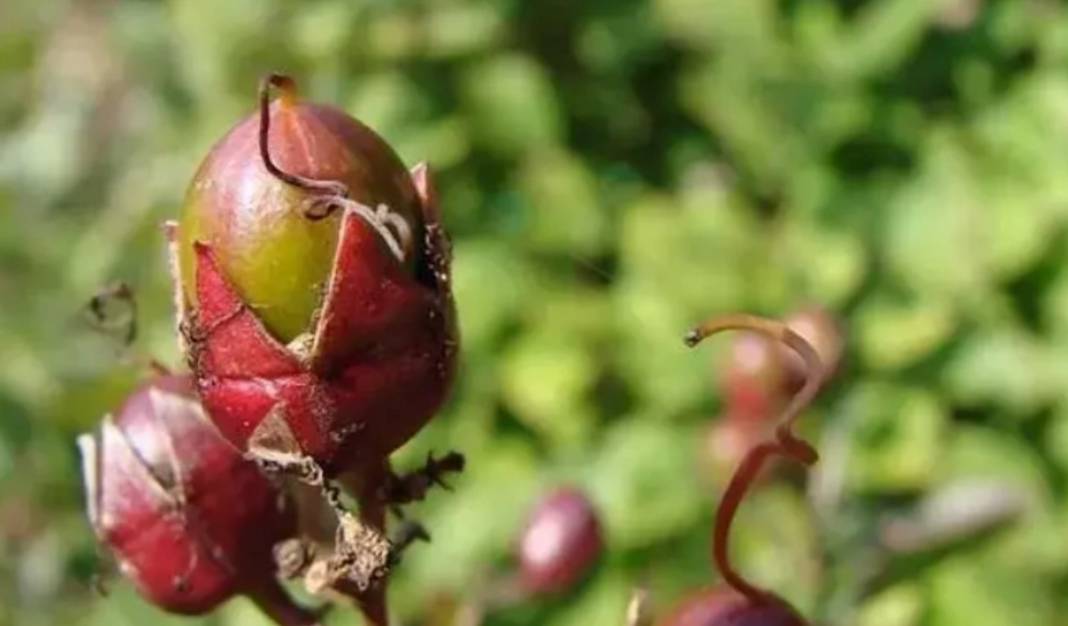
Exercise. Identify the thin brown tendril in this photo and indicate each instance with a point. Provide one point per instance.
(784, 443)
(288, 87)
(328, 196)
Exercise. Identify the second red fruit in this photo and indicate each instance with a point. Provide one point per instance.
(723, 606)
(561, 542)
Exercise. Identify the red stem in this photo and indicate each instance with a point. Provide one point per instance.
(784, 443)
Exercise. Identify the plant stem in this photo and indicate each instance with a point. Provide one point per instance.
(784, 442)
(273, 600)
(365, 486)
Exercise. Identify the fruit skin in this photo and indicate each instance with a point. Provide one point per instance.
(190, 522)
(375, 360)
(560, 543)
(722, 606)
(274, 256)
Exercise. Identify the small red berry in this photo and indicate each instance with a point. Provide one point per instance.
(761, 374)
(314, 290)
(723, 606)
(560, 544)
(755, 376)
(724, 443)
(190, 521)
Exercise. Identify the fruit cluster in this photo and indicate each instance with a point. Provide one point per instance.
(315, 312)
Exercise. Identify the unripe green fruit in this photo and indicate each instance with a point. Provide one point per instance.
(278, 259)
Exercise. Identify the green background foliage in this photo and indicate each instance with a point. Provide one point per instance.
(612, 172)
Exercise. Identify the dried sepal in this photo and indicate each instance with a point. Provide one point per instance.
(413, 486)
(181, 324)
(370, 300)
(173, 501)
(360, 558)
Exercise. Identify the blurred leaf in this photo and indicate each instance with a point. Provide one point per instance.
(1005, 368)
(936, 223)
(893, 335)
(483, 516)
(901, 605)
(644, 486)
(774, 541)
(564, 215)
(455, 28)
(495, 284)
(511, 104)
(969, 591)
(604, 602)
(898, 434)
(546, 378)
(830, 263)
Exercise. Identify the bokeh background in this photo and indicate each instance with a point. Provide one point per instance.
(612, 172)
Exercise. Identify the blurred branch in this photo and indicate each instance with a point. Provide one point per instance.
(944, 523)
(638, 607)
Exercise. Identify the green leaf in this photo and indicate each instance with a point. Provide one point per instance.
(897, 434)
(644, 482)
(511, 104)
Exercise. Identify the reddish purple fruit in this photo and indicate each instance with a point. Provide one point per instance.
(824, 333)
(314, 288)
(761, 374)
(190, 522)
(724, 443)
(722, 606)
(560, 543)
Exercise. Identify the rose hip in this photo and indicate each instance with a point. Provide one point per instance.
(314, 289)
(722, 606)
(560, 544)
(818, 327)
(755, 377)
(190, 522)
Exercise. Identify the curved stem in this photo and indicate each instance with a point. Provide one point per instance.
(729, 504)
(784, 443)
(288, 88)
(276, 604)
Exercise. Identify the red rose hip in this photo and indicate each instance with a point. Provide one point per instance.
(754, 380)
(314, 291)
(821, 329)
(190, 522)
(722, 606)
(560, 543)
